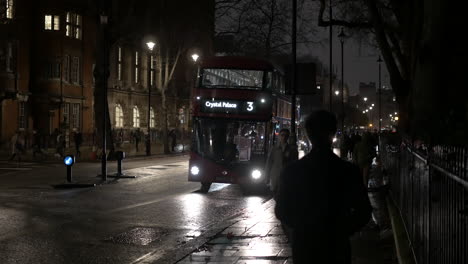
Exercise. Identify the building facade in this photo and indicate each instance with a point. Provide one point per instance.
(47, 58)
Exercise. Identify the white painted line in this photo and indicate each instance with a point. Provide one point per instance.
(16, 168)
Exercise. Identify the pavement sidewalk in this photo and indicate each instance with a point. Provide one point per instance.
(257, 237)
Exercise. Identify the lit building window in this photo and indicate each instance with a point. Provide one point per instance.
(119, 117)
(22, 115)
(52, 22)
(137, 67)
(152, 118)
(119, 63)
(73, 25)
(9, 4)
(136, 117)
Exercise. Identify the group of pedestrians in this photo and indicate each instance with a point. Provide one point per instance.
(321, 200)
(38, 143)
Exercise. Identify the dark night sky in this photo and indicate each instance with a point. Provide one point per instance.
(360, 63)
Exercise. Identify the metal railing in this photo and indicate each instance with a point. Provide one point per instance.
(430, 188)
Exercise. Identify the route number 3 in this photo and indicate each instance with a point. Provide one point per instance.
(250, 106)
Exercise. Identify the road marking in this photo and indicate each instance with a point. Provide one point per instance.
(16, 168)
(141, 204)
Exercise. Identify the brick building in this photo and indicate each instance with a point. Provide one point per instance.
(47, 57)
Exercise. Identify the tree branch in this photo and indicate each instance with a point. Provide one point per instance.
(337, 22)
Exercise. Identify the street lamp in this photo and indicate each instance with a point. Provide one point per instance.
(337, 92)
(150, 45)
(195, 57)
(342, 36)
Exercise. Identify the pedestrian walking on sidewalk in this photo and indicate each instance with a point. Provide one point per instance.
(322, 198)
(37, 143)
(363, 154)
(60, 144)
(17, 146)
(279, 156)
(137, 138)
(78, 138)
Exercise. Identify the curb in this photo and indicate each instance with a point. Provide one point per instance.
(403, 247)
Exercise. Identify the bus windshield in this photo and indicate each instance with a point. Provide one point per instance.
(232, 78)
(229, 141)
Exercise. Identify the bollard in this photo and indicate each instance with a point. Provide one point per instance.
(69, 160)
(120, 155)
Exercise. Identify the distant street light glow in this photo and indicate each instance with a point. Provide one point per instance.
(365, 99)
(150, 45)
(195, 57)
(337, 92)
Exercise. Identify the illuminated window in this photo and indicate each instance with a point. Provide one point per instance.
(136, 117)
(119, 117)
(152, 118)
(73, 25)
(9, 4)
(137, 67)
(119, 63)
(52, 22)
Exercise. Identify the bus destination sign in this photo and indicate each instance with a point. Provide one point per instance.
(228, 106)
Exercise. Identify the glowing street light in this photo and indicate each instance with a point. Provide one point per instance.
(365, 99)
(195, 57)
(150, 45)
(337, 93)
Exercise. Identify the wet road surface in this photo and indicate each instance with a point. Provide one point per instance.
(142, 220)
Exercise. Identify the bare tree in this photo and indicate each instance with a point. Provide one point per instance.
(261, 27)
(405, 31)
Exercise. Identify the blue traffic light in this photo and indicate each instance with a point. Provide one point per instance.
(69, 160)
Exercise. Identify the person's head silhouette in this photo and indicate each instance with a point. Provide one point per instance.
(321, 127)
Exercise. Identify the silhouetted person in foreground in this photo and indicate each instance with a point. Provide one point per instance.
(322, 198)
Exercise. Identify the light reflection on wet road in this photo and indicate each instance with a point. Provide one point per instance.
(121, 222)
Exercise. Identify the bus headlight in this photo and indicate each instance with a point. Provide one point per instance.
(194, 170)
(256, 174)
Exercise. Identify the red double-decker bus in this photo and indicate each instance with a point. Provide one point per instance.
(239, 105)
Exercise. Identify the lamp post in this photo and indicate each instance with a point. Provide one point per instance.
(342, 37)
(150, 45)
(195, 58)
(331, 53)
(101, 73)
(380, 95)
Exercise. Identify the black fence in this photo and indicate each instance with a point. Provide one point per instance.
(430, 187)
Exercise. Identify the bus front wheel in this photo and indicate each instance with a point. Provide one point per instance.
(205, 187)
